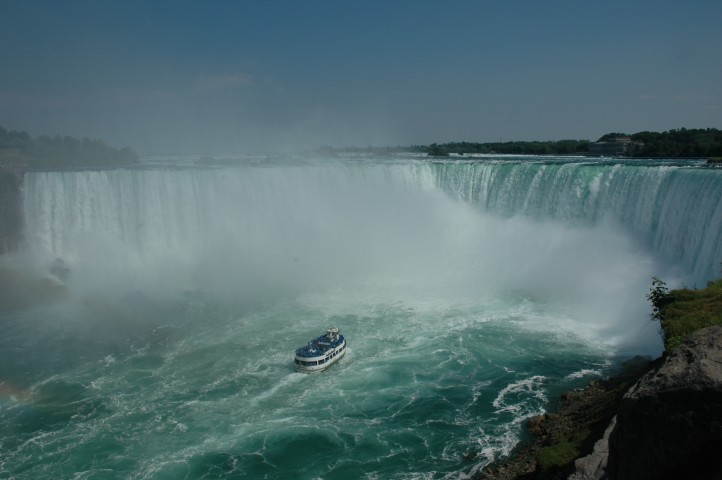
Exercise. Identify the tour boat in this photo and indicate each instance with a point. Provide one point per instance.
(321, 352)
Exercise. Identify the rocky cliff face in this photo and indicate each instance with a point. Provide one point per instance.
(669, 424)
(10, 209)
(581, 418)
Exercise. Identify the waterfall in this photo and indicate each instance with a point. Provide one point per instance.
(674, 210)
(471, 293)
(320, 222)
(221, 228)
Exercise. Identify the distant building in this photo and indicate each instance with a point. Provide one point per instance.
(618, 146)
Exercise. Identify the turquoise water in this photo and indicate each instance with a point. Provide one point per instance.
(170, 356)
(213, 394)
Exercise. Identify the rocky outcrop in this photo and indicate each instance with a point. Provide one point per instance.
(10, 209)
(579, 420)
(669, 424)
(594, 465)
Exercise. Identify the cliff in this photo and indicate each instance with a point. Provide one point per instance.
(666, 425)
(579, 420)
(669, 424)
(10, 209)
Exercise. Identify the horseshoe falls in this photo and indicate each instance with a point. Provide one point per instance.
(471, 293)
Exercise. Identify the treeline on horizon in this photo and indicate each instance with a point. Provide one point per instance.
(19, 150)
(682, 142)
(675, 143)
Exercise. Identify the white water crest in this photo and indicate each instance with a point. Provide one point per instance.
(587, 235)
(471, 293)
(673, 208)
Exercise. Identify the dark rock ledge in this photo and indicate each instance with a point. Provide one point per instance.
(571, 431)
(11, 220)
(668, 424)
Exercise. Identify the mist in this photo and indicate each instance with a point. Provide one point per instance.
(372, 234)
(172, 297)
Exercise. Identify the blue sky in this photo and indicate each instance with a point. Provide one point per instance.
(245, 76)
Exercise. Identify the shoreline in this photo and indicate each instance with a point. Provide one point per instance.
(571, 430)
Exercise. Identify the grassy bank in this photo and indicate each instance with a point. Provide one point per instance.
(578, 421)
(683, 311)
(581, 416)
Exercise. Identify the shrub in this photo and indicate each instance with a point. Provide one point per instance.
(557, 456)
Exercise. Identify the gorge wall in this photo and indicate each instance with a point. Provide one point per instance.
(10, 209)
(669, 425)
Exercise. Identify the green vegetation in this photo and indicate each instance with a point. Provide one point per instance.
(581, 420)
(677, 143)
(557, 456)
(19, 150)
(570, 432)
(683, 311)
(583, 415)
(435, 150)
(681, 143)
(561, 147)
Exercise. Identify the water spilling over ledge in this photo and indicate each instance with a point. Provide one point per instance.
(474, 292)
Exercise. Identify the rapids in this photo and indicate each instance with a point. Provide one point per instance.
(471, 293)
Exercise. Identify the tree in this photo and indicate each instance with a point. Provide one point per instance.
(658, 296)
(60, 152)
(436, 150)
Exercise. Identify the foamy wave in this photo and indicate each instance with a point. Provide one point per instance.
(528, 388)
(290, 379)
(585, 372)
(522, 399)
